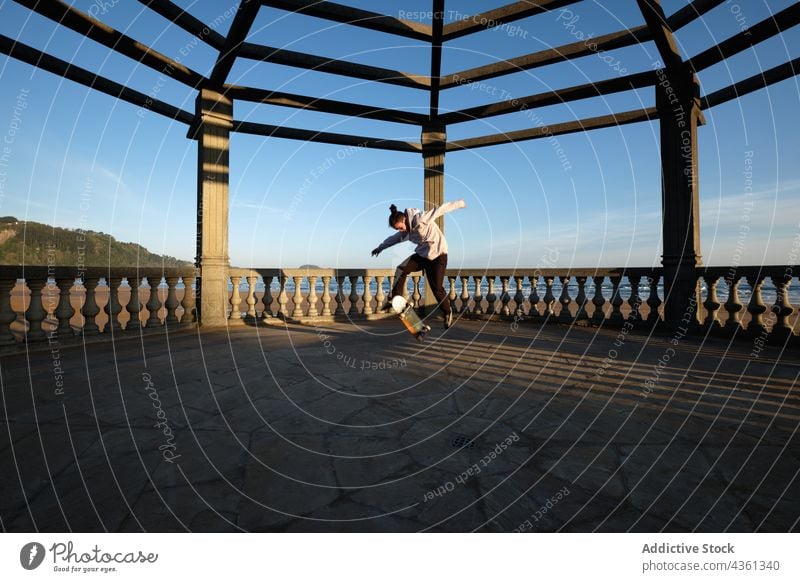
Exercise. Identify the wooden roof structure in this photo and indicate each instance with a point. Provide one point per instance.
(658, 28)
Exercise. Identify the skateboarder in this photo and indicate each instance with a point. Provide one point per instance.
(430, 254)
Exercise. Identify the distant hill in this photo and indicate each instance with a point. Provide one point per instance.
(72, 247)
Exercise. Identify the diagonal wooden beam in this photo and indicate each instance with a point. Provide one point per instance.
(355, 17)
(436, 56)
(51, 64)
(334, 66)
(557, 129)
(656, 21)
(186, 21)
(573, 50)
(692, 10)
(500, 16)
(245, 16)
(322, 105)
(757, 33)
(758, 81)
(626, 83)
(68, 16)
(324, 137)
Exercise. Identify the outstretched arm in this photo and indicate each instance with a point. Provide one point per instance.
(391, 241)
(435, 213)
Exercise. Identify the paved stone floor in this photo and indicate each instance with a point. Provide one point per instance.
(357, 427)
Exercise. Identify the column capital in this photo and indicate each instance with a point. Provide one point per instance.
(433, 138)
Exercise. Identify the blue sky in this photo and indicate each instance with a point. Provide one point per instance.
(79, 159)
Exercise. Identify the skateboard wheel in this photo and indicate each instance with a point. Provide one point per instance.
(420, 336)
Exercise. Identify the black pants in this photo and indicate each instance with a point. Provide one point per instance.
(434, 273)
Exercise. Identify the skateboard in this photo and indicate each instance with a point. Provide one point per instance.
(409, 317)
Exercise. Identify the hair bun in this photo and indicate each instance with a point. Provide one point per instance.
(393, 208)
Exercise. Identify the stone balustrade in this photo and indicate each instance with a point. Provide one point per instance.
(39, 304)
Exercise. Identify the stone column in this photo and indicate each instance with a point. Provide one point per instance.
(212, 131)
(678, 102)
(434, 140)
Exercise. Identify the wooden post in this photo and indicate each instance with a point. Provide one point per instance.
(213, 125)
(678, 103)
(434, 140)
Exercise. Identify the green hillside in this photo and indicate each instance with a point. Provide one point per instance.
(33, 243)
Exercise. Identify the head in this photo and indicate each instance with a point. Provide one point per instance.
(397, 219)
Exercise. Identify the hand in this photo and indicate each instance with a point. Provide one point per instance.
(376, 251)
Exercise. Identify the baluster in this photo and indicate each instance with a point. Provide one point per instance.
(712, 303)
(297, 298)
(733, 305)
(367, 295)
(172, 301)
(353, 295)
(235, 300)
(283, 299)
(635, 300)
(188, 302)
(7, 315)
(616, 300)
(478, 309)
(134, 306)
(464, 307)
(653, 300)
(505, 297)
(598, 300)
(581, 299)
(782, 308)
(267, 299)
(90, 309)
(113, 307)
(756, 307)
(549, 298)
(534, 297)
(380, 296)
(519, 298)
(453, 295)
(35, 313)
(312, 296)
(490, 296)
(416, 295)
(326, 295)
(339, 295)
(251, 297)
(64, 311)
(564, 299)
(153, 302)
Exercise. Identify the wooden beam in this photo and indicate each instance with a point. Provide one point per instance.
(627, 83)
(355, 17)
(186, 21)
(500, 16)
(758, 81)
(691, 11)
(334, 66)
(573, 50)
(74, 73)
(557, 129)
(95, 30)
(245, 16)
(761, 31)
(662, 34)
(322, 105)
(436, 56)
(325, 137)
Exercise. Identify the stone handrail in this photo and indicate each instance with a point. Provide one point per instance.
(45, 303)
(38, 303)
